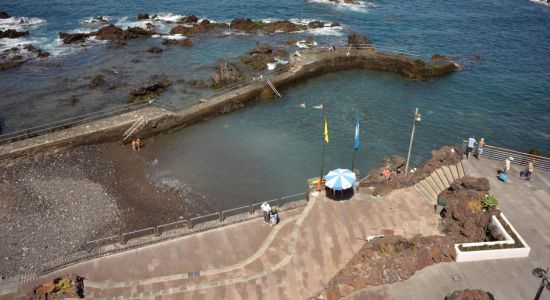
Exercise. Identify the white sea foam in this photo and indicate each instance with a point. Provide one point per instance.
(22, 23)
(278, 61)
(543, 2)
(94, 20)
(361, 6)
(327, 31)
(175, 37)
(304, 44)
(168, 17)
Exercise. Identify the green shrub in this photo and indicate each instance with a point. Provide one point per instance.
(64, 283)
(474, 206)
(534, 152)
(489, 201)
(387, 247)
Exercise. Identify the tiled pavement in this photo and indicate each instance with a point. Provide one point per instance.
(527, 205)
(249, 260)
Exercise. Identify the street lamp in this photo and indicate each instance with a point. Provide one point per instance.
(543, 274)
(417, 119)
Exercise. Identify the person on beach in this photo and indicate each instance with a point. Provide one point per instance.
(471, 145)
(528, 171)
(274, 217)
(266, 210)
(386, 172)
(138, 145)
(134, 145)
(480, 146)
(507, 163)
(320, 106)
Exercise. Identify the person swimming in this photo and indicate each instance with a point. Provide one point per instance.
(320, 106)
(303, 105)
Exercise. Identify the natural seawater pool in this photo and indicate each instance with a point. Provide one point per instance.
(270, 149)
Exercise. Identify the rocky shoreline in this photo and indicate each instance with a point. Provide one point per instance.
(53, 204)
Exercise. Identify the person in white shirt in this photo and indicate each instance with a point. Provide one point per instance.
(471, 145)
(507, 164)
(266, 209)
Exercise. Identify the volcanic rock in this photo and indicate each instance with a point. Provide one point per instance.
(280, 53)
(246, 25)
(394, 163)
(42, 54)
(149, 89)
(117, 44)
(155, 50)
(181, 42)
(150, 26)
(110, 32)
(189, 19)
(261, 49)
(12, 34)
(225, 74)
(29, 47)
(283, 26)
(468, 294)
(4, 15)
(357, 40)
(185, 30)
(143, 16)
(97, 80)
(136, 32)
(315, 24)
(335, 24)
(290, 42)
(12, 63)
(257, 61)
(71, 38)
(472, 183)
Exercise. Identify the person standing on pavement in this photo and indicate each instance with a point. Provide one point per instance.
(471, 145)
(507, 163)
(266, 210)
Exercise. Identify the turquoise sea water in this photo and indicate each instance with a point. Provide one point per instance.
(270, 149)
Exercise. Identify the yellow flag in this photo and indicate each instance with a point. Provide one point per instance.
(325, 135)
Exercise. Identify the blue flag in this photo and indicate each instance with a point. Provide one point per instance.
(356, 142)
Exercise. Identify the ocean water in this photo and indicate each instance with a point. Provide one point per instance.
(270, 149)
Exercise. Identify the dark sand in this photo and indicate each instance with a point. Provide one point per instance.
(52, 204)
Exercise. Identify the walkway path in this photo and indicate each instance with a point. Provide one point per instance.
(293, 260)
(527, 205)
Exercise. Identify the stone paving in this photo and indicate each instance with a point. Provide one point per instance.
(292, 260)
(527, 205)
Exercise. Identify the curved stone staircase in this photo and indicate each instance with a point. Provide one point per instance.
(439, 180)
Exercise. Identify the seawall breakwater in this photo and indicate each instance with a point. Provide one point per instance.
(161, 120)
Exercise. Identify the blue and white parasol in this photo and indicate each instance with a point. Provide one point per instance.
(340, 179)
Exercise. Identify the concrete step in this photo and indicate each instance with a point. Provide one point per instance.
(429, 196)
(426, 186)
(440, 185)
(448, 174)
(454, 171)
(460, 168)
(431, 183)
(442, 177)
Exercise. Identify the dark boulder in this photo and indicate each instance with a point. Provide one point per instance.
(155, 50)
(29, 47)
(315, 24)
(280, 53)
(335, 24)
(290, 42)
(246, 25)
(189, 19)
(468, 294)
(150, 26)
(149, 89)
(472, 183)
(257, 61)
(261, 49)
(12, 63)
(143, 16)
(185, 30)
(4, 15)
(225, 74)
(110, 32)
(357, 40)
(12, 34)
(42, 54)
(394, 163)
(97, 80)
(117, 44)
(283, 26)
(181, 42)
(207, 25)
(72, 38)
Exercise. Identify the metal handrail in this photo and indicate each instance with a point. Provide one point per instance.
(520, 158)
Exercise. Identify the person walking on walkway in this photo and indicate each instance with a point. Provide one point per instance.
(528, 171)
(274, 220)
(507, 163)
(480, 146)
(266, 210)
(471, 145)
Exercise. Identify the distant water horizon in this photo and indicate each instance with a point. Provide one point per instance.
(268, 150)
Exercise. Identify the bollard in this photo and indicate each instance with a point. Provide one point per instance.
(157, 231)
(221, 216)
(250, 210)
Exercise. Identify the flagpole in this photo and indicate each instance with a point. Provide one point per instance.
(356, 141)
(353, 162)
(324, 144)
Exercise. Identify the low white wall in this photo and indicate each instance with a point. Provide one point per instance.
(462, 256)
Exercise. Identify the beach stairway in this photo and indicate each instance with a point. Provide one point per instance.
(273, 88)
(135, 126)
(439, 181)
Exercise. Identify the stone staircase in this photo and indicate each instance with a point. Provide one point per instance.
(439, 180)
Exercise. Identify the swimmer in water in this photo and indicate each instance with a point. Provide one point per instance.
(303, 105)
(320, 106)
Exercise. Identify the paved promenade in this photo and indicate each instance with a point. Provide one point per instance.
(254, 261)
(527, 205)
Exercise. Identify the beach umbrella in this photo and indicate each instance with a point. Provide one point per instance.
(340, 179)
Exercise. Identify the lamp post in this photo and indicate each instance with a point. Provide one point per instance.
(417, 118)
(543, 274)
